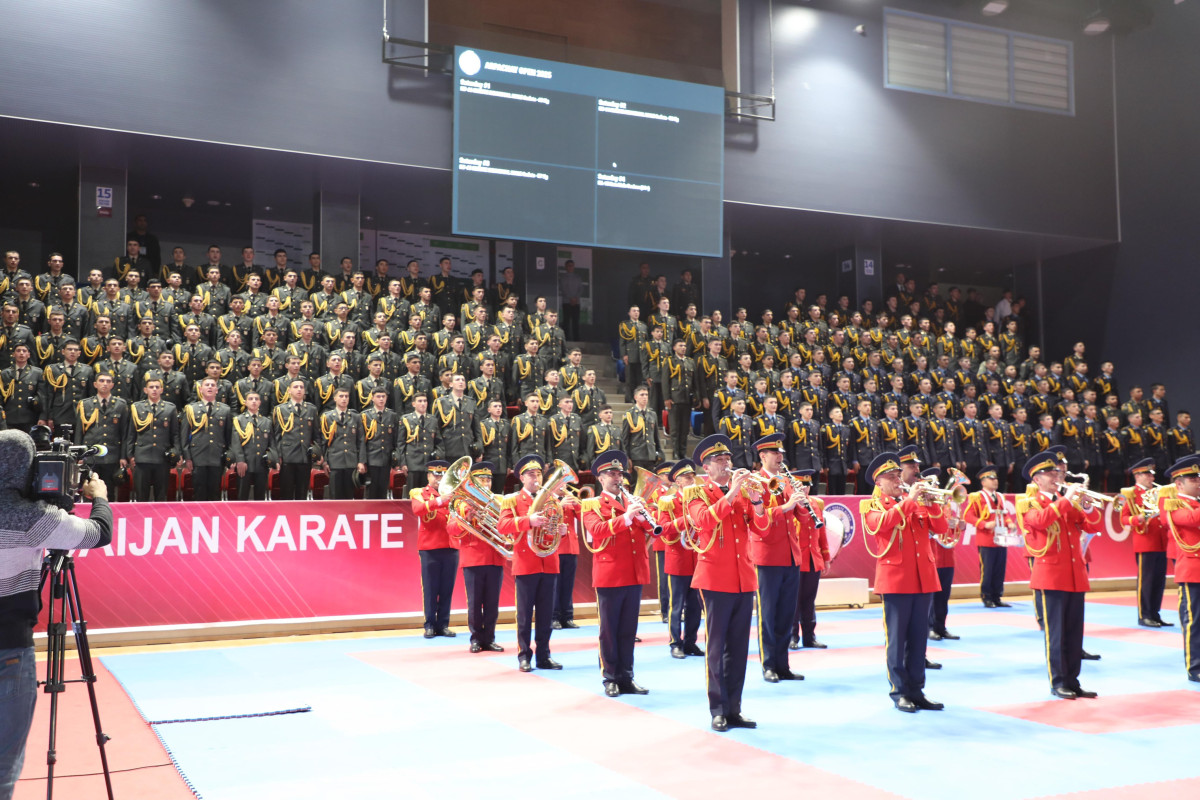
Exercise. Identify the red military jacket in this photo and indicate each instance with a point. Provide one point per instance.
(1149, 535)
(432, 512)
(981, 512)
(906, 563)
(473, 551)
(514, 523)
(943, 557)
(680, 558)
(658, 545)
(814, 542)
(1183, 521)
(621, 557)
(723, 525)
(778, 545)
(1052, 528)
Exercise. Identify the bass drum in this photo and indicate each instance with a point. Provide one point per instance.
(837, 534)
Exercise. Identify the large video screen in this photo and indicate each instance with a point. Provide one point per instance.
(559, 153)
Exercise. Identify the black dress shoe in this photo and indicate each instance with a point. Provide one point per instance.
(430, 633)
(989, 603)
(569, 624)
(935, 636)
(1081, 692)
(694, 650)
(932, 664)
(921, 701)
(1002, 604)
(524, 665)
(476, 647)
(738, 721)
(548, 663)
(1065, 694)
(666, 620)
(1193, 677)
(611, 689)
(629, 687)
(495, 648)
(556, 625)
(447, 633)
(677, 652)
(720, 724)
(815, 645)
(948, 635)
(769, 676)
(906, 705)
(637, 638)
(793, 643)
(788, 675)
(1163, 623)
(1090, 656)
(1149, 623)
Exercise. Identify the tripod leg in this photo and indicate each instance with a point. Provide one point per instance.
(84, 651)
(55, 643)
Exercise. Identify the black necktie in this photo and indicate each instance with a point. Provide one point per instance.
(103, 407)
(724, 490)
(210, 409)
(342, 418)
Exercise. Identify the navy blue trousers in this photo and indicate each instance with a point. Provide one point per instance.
(778, 588)
(1062, 613)
(483, 601)
(660, 577)
(1189, 610)
(564, 594)
(685, 610)
(1037, 600)
(1152, 581)
(438, 568)
(992, 561)
(618, 607)
(940, 606)
(804, 621)
(727, 631)
(535, 605)
(906, 634)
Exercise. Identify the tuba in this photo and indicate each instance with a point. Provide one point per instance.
(544, 541)
(475, 509)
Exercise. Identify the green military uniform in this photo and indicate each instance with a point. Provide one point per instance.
(293, 428)
(587, 403)
(250, 444)
(417, 444)
(153, 444)
(247, 385)
(491, 440)
(455, 425)
(564, 439)
(527, 436)
(205, 431)
(380, 429)
(62, 387)
(103, 422)
(641, 438)
(342, 444)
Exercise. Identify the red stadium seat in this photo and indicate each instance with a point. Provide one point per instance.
(318, 482)
(272, 483)
(229, 484)
(398, 482)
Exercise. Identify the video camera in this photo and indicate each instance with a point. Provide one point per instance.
(59, 470)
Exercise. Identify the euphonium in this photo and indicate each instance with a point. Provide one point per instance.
(544, 541)
(482, 510)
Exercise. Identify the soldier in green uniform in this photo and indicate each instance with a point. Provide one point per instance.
(103, 419)
(641, 438)
(406, 387)
(13, 334)
(63, 386)
(380, 427)
(491, 439)
(365, 389)
(527, 435)
(485, 388)
(250, 448)
(294, 429)
(417, 442)
(312, 355)
(254, 382)
(632, 336)
(123, 371)
(342, 446)
(601, 436)
(152, 447)
(328, 385)
(205, 432)
(455, 415)
(588, 399)
(564, 434)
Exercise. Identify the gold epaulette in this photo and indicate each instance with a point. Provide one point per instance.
(693, 492)
(509, 501)
(1031, 490)
(1127, 493)
(1023, 505)
(589, 504)
(415, 494)
(864, 506)
(666, 503)
(1168, 499)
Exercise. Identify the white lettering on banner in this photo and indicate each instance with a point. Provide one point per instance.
(172, 537)
(249, 532)
(282, 535)
(366, 520)
(145, 548)
(311, 527)
(341, 533)
(390, 531)
(200, 532)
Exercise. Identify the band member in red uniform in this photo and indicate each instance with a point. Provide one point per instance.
(897, 530)
(617, 523)
(814, 557)
(482, 569)
(1149, 545)
(1053, 515)
(533, 574)
(439, 558)
(659, 552)
(1180, 506)
(776, 556)
(944, 559)
(680, 563)
(564, 588)
(910, 472)
(723, 509)
(985, 510)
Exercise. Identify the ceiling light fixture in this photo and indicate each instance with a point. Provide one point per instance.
(1096, 24)
(156, 197)
(214, 202)
(993, 7)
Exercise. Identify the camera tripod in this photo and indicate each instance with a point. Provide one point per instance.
(59, 568)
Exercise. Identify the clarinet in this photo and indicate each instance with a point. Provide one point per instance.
(818, 523)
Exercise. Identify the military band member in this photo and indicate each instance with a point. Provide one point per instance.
(640, 437)
(617, 523)
(679, 563)
(835, 446)
(1179, 506)
(294, 431)
(439, 558)
(776, 556)
(534, 576)
(658, 551)
(250, 449)
(1149, 544)
(482, 569)
(814, 558)
(417, 442)
(1052, 519)
(985, 510)
(153, 444)
(899, 528)
(103, 419)
(724, 508)
(943, 556)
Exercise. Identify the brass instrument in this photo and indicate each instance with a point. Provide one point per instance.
(765, 485)
(482, 508)
(1081, 483)
(544, 541)
(1149, 504)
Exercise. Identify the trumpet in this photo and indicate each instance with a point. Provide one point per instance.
(1081, 484)
(765, 485)
(474, 508)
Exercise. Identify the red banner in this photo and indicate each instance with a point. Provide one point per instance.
(185, 563)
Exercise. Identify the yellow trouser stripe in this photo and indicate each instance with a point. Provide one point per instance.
(670, 608)
(707, 637)
(599, 633)
(1141, 608)
(883, 600)
(762, 656)
(1187, 635)
(1046, 634)
(982, 577)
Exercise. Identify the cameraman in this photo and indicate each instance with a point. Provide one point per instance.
(27, 528)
